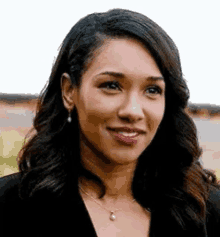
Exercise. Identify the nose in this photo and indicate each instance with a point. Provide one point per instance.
(131, 109)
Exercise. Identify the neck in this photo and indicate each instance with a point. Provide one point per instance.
(117, 178)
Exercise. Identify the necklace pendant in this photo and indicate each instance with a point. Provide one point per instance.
(112, 216)
(69, 119)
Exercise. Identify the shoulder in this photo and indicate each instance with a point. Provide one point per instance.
(40, 214)
(214, 199)
(9, 187)
(213, 212)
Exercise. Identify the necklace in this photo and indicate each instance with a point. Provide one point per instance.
(112, 216)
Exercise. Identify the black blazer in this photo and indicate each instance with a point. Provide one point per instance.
(69, 216)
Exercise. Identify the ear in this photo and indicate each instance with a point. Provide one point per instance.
(67, 90)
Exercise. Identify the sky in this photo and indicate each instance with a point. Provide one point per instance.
(32, 32)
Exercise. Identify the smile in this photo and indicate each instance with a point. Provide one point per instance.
(126, 134)
(124, 137)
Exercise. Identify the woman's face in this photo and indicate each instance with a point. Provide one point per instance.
(122, 88)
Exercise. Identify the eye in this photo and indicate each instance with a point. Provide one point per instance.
(154, 90)
(110, 85)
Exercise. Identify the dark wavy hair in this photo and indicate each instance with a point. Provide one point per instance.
(169, 177)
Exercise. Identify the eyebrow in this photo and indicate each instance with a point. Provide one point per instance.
(121, 75)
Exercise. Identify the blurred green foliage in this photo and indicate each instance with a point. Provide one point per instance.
(218, 173)
(11, 143)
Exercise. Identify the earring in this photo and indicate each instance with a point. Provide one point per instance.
(69, 119)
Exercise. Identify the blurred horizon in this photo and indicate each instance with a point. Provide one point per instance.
(17, 112)
(27, 96)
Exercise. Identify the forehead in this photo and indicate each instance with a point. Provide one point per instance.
(126, 56)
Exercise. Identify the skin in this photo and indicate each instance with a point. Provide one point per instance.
(136, 102)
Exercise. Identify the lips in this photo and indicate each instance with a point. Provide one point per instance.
(127, 130)
(124, 137)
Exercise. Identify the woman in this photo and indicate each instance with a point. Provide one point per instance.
(112, 131)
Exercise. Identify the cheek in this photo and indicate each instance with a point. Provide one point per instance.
(95, 109)
(155, 115)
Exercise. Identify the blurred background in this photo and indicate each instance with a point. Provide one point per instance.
(32, 32)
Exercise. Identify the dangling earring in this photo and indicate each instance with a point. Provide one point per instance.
(69, 119)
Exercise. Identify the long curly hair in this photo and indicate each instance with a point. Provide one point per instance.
(169, 177)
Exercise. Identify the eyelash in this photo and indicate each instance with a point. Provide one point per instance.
(106, 84)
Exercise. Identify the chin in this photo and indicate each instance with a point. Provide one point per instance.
(123, 159)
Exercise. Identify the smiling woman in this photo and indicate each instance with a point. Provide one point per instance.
(131, 103)
(113, 142)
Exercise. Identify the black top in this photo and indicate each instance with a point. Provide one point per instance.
(69, 216)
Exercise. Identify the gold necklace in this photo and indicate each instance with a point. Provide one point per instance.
(112, 216)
